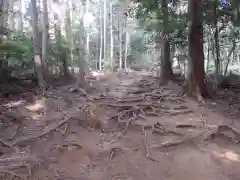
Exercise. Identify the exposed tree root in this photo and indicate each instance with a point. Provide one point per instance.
(7, 144)
(12, 173)
(113, 152)
(168, 145)
(10, 164)
(186, 126)
(148, 153)
(225, 131)
(176, 112)
(131, 100)
(163, 130)
(47, 130)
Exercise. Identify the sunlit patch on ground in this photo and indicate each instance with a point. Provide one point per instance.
(37, 109)
(228, 155)
(14, 104)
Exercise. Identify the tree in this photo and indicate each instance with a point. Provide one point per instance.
(146, 11)
(45, 36)
(36, 40)
(196, 74)
(166, 65)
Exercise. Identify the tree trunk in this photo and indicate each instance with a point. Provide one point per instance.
(10, 15)
(166, 65)
(111, 36)
(69, 32)
(105, 32)
(82, 62)
(195, 84)
(101, 40)
(126, 49)
(87, 34)
(69, 35)
(216, 40)
(20, 25)
(120, 45)
(231, 52)
(45, 36)
(208, 52)
(36, 40)
(3, 25)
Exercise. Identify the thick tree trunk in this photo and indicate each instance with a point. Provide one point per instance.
(166, 65)
(195, 84)
(36, 40)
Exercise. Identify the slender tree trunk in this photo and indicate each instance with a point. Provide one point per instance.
(231, 52)
(216, 41)
(126, 49)
(195, 84)
(208, 52)
(166, 65)
(105, 32)
(10, 15)
(3, 16)
(82, 62)
(2, 27)
(20, 16)
(69, 35)
(101, 40)
(120, 45)
(36, 39)
(111, 36)
(45, 35)
(87, 34)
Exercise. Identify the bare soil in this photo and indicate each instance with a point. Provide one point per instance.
(125, 126)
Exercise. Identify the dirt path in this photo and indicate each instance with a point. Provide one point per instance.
(146, 132)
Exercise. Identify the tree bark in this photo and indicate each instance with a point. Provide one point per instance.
(195, 84)
(166, 72)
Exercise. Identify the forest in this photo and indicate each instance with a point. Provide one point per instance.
(119, 89)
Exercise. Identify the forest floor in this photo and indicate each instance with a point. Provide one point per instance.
(126, 127)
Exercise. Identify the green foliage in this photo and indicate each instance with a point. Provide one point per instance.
(17, 49)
